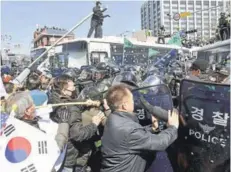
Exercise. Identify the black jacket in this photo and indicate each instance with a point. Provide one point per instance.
(125, 143)
(79, 143)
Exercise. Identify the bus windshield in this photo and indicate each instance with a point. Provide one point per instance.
(75, 54)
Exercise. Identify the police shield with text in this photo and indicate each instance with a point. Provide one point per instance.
(204, 134)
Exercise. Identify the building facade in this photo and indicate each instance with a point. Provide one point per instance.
(204, 16)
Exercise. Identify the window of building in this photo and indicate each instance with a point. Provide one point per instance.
(166, 2)
(206, 2)
(198, 2)
(174, 8)
(182, 8)
(213, 3)
(174, 2)
(190, 2)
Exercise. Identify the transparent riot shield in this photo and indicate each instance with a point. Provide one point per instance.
(203, 143)
(158, 95)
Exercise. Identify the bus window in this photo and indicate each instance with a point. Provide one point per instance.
(97, 57)
(77, 53)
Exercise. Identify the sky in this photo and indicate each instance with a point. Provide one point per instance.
(19, 18)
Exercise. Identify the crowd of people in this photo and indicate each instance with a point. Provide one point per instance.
(107, 137)
(222, 33)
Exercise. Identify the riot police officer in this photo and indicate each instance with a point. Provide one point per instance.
(223, 25)
(161, 35)
(97, 21)
(198, 68)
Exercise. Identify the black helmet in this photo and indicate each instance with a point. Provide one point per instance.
(73, 73)
(93, 92)
(101, 66)
(85, 75)
(152, 80)
(98, 74)
(129, 78)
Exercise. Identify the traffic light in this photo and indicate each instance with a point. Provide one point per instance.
(167, 36)
(191, 31)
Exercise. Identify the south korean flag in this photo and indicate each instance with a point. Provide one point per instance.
(24, 148)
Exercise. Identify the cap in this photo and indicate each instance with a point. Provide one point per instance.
(98, 2)
(200, 64)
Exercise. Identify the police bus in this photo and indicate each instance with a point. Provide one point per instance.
(218, 52)
(88, 51)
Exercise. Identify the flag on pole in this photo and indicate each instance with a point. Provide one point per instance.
(175, 39)
(128, 44)
(152, 52)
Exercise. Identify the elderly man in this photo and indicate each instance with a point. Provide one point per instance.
(125, 142)
(23, 106)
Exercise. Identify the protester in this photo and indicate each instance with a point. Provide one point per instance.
(33, 82)
(79, 143)
(22, 105)
(124, 140)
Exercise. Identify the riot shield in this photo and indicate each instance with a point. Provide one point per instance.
(158, 95)
(174, 87)
(203, 143)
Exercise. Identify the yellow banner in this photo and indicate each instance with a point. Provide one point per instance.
(185, 14)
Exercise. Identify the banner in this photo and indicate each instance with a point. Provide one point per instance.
(175, 39)
(2, 89)
(152, 52)
(128, 44)
(164, 61)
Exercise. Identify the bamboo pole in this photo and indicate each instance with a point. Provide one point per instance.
(86, 103)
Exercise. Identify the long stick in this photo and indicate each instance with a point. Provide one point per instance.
(20, 78)
(87, 103)
(72, 29)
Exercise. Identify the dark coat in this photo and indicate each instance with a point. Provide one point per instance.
(79, 143)
(125, 143)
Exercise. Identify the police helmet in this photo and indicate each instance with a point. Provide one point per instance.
(93, 92)
(152, 80)
(129, 78)
(101, 66)
(73, 73)
(86, 74)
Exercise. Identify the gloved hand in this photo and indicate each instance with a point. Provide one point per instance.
(154, 110)
(63, 114)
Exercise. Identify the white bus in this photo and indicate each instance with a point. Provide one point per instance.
(87, 51)
(214, 53)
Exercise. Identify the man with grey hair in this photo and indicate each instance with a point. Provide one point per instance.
(24, 109)
(23, 106)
